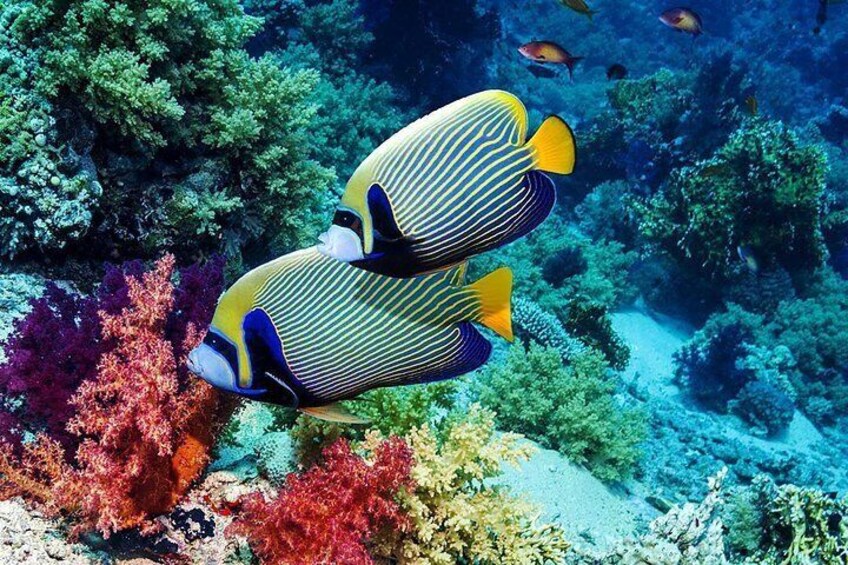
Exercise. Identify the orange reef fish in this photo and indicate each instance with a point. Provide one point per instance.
(747, 256)
(549, 52)
(616, 72)
(682, 19)
(460, 181)
(306, 331)
(579, 6)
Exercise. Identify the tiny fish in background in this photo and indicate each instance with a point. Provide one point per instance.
(715, 169)
(580, 7)
(549, 52)
(752, 105)
(616, 72)
(821, 14)
(539, 71)
(306, 331)
(746, 254)
(460, 181)
(683, 19)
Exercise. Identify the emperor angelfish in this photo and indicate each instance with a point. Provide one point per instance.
(455, 183)
(306, 331)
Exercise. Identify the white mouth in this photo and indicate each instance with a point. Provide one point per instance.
(341, 244)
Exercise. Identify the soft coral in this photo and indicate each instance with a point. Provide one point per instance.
(328, 514)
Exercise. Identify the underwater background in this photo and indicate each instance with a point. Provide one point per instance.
(677, 392)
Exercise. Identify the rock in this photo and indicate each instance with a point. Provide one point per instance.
(27, 538)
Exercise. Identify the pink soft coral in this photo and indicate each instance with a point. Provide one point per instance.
(138, 420)
(328, 514)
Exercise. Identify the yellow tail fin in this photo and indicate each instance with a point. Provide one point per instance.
(495, 291)
(555, 147)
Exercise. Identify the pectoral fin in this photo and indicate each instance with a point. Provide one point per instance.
(335, 412)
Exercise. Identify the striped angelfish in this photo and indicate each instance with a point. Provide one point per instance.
(306, 331)
(458, 182)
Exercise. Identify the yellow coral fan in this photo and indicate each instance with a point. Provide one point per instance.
(456, 515)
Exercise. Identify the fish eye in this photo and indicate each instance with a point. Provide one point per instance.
(223, 346)
(346, 219)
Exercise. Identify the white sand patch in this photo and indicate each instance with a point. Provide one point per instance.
(652, 347)
(593, 515)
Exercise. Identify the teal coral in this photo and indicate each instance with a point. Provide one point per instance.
(572, 409)
(47, 194)
(536, 325)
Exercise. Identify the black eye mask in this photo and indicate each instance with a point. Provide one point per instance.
(349, 220)
(224, 348)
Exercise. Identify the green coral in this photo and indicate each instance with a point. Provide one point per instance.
(770, 524)
(572, 409)
(762, 189)
(391, 411)
(47, 195)
(255, 439)
(195, 140)
(457, 515)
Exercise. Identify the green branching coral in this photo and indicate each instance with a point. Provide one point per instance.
(391, 411)
(456, 515)
(770, 524)
(762, 189)
(572, 409)
(195, 139)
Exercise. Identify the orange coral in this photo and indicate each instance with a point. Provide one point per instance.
(146, 434)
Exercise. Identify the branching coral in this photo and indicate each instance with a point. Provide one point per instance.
(330, 513)
(47, 194)
(67, 327)
(772, 524)
(691, 534)
(174, 106)
(454, 516)
(571, 409)
(146, 435)
(533, 324)
(761, 190)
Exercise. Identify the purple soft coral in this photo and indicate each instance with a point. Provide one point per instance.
(51, 351)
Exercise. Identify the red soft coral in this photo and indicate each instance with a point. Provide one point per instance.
(328, 514)
(146, 434)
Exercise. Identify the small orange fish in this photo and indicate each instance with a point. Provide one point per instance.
(549, 52)
(683, 19)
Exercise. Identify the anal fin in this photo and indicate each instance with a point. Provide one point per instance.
(335, 412)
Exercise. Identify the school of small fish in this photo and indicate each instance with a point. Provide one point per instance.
(382, 300)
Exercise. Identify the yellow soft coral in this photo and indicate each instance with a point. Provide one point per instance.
(456, 514)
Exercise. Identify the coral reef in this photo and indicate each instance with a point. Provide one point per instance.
(691, 534)
(141, 429)
(773, 524)
(571, 409)
(331, 512)
(761, 190)
(455, 516)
